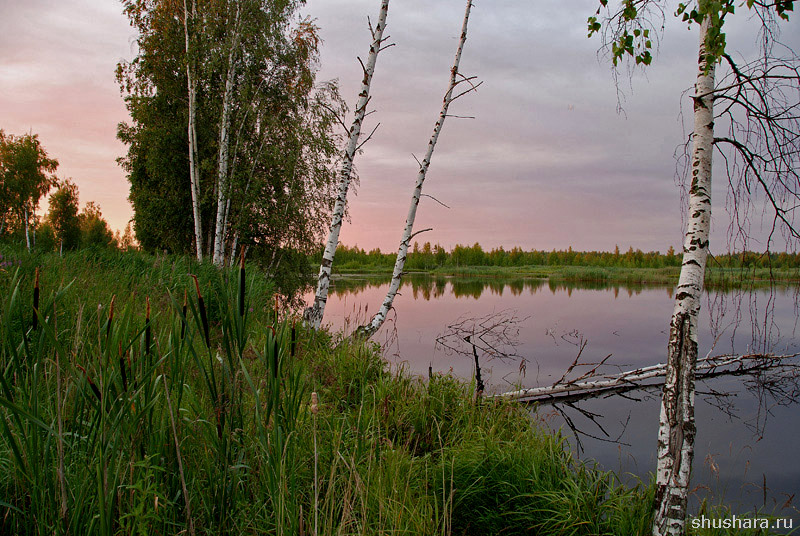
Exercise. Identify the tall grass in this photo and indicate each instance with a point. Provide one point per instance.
(124, 423)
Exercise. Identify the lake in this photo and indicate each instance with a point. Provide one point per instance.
(744, 440)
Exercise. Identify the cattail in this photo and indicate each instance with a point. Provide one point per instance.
(274, 363)
(183, 317)
(220, 420)
(314, 403)
(36, 301)
(122, 368)
(241, 285)
(275, 358)
(202, 306)
(276, 311)
(94, 388)
(110, 316)
(294, 339)
(147, 327)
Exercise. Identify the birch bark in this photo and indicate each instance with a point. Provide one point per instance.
(377, 320)
(677, 429)
(313, 315)
(224, 149)
(194, 174)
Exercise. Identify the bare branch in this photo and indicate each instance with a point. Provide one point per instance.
(431, 197)
(420, 232)
(369, 137)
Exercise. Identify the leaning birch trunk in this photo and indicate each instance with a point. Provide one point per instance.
(224, 151)
(313, 315)
(194, 174)
(677, 429)
(377, 320)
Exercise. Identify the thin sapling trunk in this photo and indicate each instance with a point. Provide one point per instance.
(313, 315)
(455, 79)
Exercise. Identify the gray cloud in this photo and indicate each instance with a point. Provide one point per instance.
(547, 162)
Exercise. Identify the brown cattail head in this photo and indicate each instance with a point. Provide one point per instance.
(293, 341)
(92, 385)
(35, 320)
(110, 315)
(314, 403)
(147, 327)
(275, 357)
(241, 285)
(196, 285)
(183, 318)
(202, 306)
(122, 368)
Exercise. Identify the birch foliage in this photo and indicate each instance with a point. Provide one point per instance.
(228, 122)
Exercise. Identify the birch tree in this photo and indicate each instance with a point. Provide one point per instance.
(313, 315)
(228, 132)
(26, 174)
(456, 79)
(194, 171)
(766, 113)
(223, 190)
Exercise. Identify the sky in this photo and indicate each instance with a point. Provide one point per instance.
(547, 162)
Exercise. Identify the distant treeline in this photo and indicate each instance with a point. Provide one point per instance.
(431, 257)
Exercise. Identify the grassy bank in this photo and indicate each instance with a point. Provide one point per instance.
(200, 420)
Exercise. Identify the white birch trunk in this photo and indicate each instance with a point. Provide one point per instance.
(224, 150)
(377, 320)
(313, 315)
(677, 429)
(194, 173)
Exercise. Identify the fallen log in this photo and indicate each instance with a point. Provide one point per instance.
(602, 384)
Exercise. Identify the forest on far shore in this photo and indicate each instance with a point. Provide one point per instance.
(431, 257)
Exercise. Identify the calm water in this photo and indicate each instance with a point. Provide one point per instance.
(735, 454)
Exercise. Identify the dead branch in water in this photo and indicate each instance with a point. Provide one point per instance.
(495, 335)
(594, 384)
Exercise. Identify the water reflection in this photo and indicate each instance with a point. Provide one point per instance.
(628, 321)
(427, 287)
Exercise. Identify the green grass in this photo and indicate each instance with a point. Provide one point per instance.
(110, 425)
